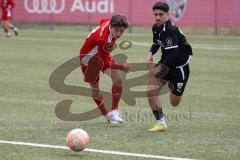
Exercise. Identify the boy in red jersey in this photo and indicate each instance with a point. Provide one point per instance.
(7, 7)
(95, 56)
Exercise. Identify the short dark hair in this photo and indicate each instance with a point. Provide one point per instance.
(161, 5)
(119, 20)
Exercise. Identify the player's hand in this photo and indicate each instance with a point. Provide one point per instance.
(126, 67)
(155, 70)
(149, 58)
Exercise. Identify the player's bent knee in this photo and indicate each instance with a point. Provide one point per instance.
(117, 81)
(152, 102)
(175, 100)
(175, 104)
(151, 94)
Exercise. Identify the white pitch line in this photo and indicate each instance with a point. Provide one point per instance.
(145, 44)
(196, 46)
(94, 150)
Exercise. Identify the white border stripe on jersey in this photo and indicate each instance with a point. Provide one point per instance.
(89, 55)
(94, 150)
(171, 47)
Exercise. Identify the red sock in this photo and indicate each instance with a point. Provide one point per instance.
(101, 106)
(5, 30)
(116, 95)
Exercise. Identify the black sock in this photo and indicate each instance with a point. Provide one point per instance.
(158, 114)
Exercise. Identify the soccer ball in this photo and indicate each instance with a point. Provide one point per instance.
(77, 139)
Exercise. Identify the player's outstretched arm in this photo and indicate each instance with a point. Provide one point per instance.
(159, 68)
(124, 67)
(149, 58)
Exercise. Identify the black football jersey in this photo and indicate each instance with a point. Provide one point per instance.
(174, 46)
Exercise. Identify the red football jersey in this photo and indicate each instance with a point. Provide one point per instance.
(7, 4)
(100, 42)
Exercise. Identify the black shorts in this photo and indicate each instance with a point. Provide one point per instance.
(177, 79)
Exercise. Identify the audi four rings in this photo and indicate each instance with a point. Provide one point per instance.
(44, 6)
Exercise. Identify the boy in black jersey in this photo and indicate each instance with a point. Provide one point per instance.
(174, 63)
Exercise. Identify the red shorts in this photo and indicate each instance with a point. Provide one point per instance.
(6, 15)
(92, 68)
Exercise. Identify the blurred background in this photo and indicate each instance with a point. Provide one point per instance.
(215, 17)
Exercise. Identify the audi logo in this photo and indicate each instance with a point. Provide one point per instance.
(44, 6)
(177, 8)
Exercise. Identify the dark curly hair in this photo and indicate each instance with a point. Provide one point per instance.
(161, 5)
(119, 20)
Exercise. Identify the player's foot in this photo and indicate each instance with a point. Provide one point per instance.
(8, 34)
(15, 31)
(158, 128)
(113, 122)
(118, 115)
(111, 118)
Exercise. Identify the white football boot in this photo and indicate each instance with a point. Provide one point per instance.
(111, 118)
(8, 34)
(15, 31)
(118, 115)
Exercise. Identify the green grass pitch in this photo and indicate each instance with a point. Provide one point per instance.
(206, 125)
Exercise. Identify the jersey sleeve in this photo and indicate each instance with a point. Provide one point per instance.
(106, 43)
(103, 46)
(103, 20)
(170, 43)
(155, 46)
(12, 4)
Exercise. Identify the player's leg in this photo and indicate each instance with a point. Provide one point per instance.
(4, 24)
(178, 85)
(9, 24)
(5, 28)
(116, 76)
(98, 98)
(91, 72)
(175, 100)
(12, 27)
(154, 88)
